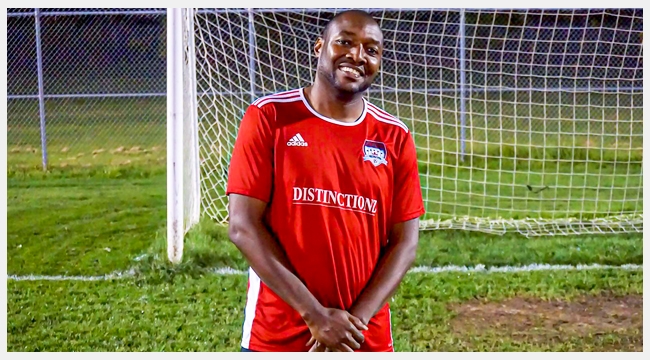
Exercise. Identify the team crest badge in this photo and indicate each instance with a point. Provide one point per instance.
(375, 152)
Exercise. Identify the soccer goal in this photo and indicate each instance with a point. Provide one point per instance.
(524, 120)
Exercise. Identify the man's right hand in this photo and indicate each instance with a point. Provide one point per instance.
(336, 329)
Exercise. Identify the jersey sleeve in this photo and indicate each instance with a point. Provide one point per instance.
(407, 196)
(251, 165)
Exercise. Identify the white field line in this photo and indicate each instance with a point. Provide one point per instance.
(420, 269)
(112, 276)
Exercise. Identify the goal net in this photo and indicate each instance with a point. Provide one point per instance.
(524, 120)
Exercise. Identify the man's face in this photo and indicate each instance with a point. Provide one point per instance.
(350, 55)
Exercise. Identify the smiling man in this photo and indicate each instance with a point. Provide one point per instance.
(324, 199)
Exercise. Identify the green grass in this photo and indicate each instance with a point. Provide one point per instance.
(87, 133)
(81, 226)
(585, 149)
(62, 223)
(422, 311)
(101, 207)
(206, 313)
(127, 216)
(207, 247)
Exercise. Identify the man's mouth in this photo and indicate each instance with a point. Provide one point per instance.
(353, 72)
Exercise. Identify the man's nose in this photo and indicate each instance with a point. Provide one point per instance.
(357, 54)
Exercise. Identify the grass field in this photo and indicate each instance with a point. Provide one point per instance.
(86, 223)
(585, 150)
(101, 207)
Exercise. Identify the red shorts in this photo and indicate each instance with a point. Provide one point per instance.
(278, 330)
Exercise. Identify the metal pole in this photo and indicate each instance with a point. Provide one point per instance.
(463, 113)
(41, 96)
(251, 51)
(192, 137)
(175, 218)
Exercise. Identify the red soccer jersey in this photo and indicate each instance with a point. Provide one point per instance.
(334, 190)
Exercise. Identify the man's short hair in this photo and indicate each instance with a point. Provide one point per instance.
(337, 16)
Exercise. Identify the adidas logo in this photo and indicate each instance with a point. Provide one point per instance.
(297, 140)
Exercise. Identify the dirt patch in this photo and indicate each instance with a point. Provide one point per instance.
(537, 320)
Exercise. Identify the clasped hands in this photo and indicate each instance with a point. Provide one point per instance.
(335, 330)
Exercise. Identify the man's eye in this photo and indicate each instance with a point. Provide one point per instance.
(343, 42)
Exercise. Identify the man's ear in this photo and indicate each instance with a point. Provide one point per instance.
(318, 46)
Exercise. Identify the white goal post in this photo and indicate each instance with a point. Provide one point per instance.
(183, 187)
(525, 120)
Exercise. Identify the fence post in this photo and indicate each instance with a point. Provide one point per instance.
(251, 51)
(41, 96)
(463, 113)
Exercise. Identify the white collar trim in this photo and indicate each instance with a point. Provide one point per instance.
(330, 120)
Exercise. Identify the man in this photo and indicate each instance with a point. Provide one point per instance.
(324, 199)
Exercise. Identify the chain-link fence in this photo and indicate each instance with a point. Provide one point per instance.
(88, 85)
(99, 76)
